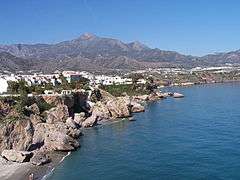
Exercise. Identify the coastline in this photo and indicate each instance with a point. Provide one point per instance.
(50, 172)
(43, 175)
(107, 122)
(22, 171)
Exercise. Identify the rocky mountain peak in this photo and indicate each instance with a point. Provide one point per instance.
(87, 36)
(136, 45)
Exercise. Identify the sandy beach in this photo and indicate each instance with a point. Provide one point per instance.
(14, 171)
(21, 171)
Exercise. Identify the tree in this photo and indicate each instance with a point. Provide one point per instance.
(23, 88)
(63, 80)
(135, 77)
(13, 87)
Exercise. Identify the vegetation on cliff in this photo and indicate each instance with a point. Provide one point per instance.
(15, 108)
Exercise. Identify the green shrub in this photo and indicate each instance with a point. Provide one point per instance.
(129, 89)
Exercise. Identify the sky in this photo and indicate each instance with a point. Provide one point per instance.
(195, 27)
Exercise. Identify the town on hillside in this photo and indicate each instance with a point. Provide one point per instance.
(66, 82)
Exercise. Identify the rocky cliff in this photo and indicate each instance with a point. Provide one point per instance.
(59, 128)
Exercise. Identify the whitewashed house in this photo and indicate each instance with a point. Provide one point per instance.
(3, 85)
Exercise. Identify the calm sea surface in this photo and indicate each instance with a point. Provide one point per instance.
(197, 137)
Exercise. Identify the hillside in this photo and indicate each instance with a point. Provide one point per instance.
(93, 53)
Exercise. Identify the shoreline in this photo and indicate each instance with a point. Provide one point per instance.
(45, 175)
(51, 171)
(22, 171)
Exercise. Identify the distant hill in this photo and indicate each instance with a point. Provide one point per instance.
(11, 63)
(93, 53)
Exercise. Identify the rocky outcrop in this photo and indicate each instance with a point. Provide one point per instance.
(16, 135)
(54, 100)
(17, 156)
(136, 107)
(106, 96)
(54, 137)
(34, 109)
(101, 110)
(40, 158)
(5, 109)
(79, 118)
(90, 121)
(153, 97)
(140, 98)
(41, 132)
(118, 108)
(57, 114)
(35, 119)
(58, 129)
(71, 123)
(74, 133)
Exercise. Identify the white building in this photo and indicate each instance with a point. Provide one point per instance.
(141, 81)
(3, 85)
(71, 76)
(110, 80)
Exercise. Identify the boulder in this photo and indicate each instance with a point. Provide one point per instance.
(118, 107)
(35, 119)
(17, 156)
(34, 109)
(57, 114)
(71, 123)
(161, 95)
(136, 107)
(90, 121)
(165, 95)
(141, 98)
(54, 137)
(79, 118)
(40, 158)
(61, 142)
(154, 97)
(74, 133)
(100, 110)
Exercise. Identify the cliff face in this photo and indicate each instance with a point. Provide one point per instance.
(16, 135)
(36, 132)
(47, 130)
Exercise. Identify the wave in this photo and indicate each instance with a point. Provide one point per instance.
(51, 171)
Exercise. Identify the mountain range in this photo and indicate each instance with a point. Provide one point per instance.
(92, 53)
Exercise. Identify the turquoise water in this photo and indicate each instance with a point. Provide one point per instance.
(197, 137)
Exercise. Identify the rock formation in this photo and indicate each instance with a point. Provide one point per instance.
(40, 158)
(58, 128)
(57, 114)
(16, 135)
(118, 108)
(17, 156)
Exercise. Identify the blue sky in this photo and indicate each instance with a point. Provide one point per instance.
(194, 27)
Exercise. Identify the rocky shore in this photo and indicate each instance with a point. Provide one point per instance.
(34, 144)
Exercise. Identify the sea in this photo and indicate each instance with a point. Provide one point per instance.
(195, 137)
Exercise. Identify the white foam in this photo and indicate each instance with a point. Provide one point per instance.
(51, 171)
